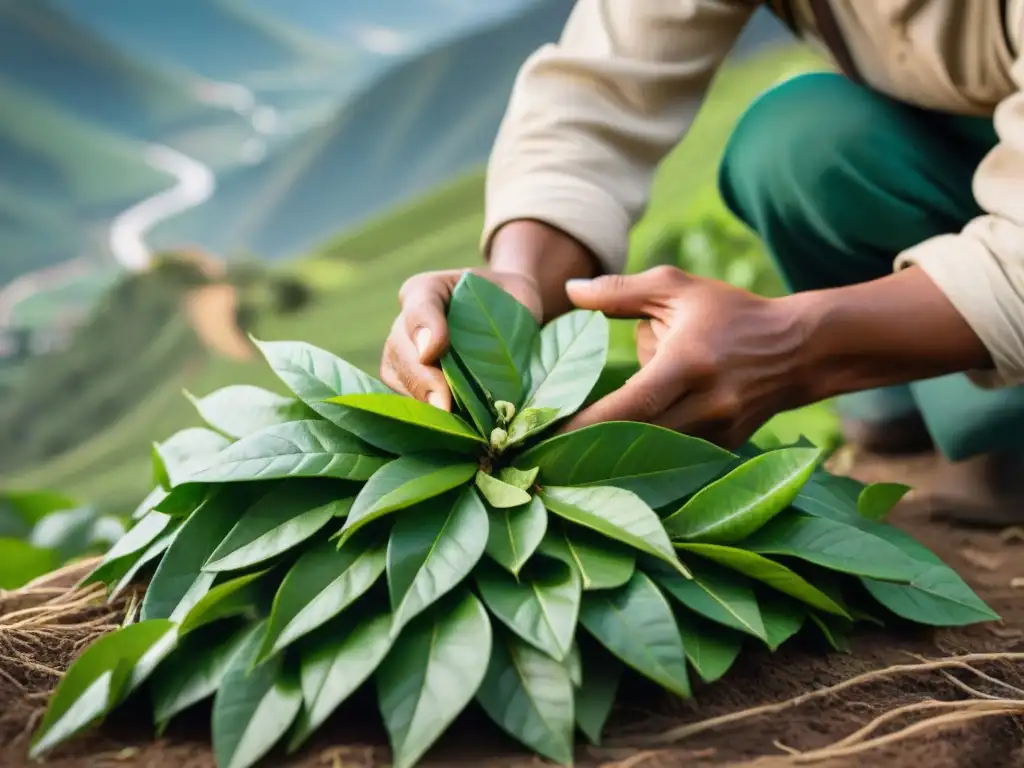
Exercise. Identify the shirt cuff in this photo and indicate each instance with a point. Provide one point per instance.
(973, 280)
(582, 211)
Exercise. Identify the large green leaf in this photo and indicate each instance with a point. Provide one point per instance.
(767, 571)
(148, 556)
(20, 562)
(240, 596)
(179, 582)
(493, 334)
(877, 499)
(711, 649)
(432, 550)
(783, 617)
(734, 506)
(182, 500)
(289, 514)
(404, 482)
(334, 665)
(239, 410)
(542, 608)
(316, 376)
(128, 548)
(101, 678)
(322, 583)
(600, 563)
(935, 596)
(615, 513)
(254, 707)
(595, 697)
(515, 533)
(833, 545)
(830, 496)
(150, 502)
(466, 394)
(500, 494)
(530, 696)
(567, 361)
(455, 432)
(178, 456)
(636, 624)
(658, 465)
(431, 674)
(193, 672)
(295, 449)
(716, 593)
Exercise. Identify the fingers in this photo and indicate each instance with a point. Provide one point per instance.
(646, 342)
(403, 370)
(645, 397)
(418, 338)
(713, 415)
(424, 299)
(625, 296)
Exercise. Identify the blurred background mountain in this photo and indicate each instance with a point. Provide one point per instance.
(175, 174)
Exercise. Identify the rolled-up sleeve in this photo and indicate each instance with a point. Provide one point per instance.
(981, 269)
(592, 115)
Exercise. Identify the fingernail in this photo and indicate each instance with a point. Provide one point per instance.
(435, 400)
(576, 282)
(422, 340)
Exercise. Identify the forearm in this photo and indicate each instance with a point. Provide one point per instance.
(893, 330)
(544, 254)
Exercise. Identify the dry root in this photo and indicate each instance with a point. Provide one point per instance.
(43, 627)
(942, 715)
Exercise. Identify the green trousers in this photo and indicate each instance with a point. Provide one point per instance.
(837, 179)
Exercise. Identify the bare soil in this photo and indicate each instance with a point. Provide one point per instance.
(979, 725)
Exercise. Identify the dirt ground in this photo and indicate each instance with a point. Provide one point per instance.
(969, 727)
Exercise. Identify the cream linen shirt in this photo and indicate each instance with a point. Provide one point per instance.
(592, 115)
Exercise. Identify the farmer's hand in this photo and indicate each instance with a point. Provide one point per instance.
(529, 259)
(419, 336)
(717, 361)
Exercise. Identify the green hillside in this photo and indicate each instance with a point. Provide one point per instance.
(356, 277)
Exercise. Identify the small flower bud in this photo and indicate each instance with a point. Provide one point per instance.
(505, 411)
(498, 439)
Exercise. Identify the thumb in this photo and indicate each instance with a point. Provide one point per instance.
(624, 296)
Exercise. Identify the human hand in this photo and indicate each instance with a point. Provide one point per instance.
(717, 361)
(419, 335)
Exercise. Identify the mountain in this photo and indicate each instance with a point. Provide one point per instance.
(224, 41)
(314, 114)
(57, 58)
(425, 119)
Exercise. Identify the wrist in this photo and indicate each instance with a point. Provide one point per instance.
(545, 255)
(893, 330)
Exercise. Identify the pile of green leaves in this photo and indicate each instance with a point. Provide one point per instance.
(41, 530)
(349, 539)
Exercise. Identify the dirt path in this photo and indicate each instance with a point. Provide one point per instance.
(981, 738)
(213, 310)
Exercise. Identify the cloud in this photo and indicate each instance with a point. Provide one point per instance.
(387, 41)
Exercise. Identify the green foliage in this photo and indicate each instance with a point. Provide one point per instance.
(40, 530)
(527, 576)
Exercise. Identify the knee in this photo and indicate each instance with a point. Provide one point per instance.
(793, 142)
